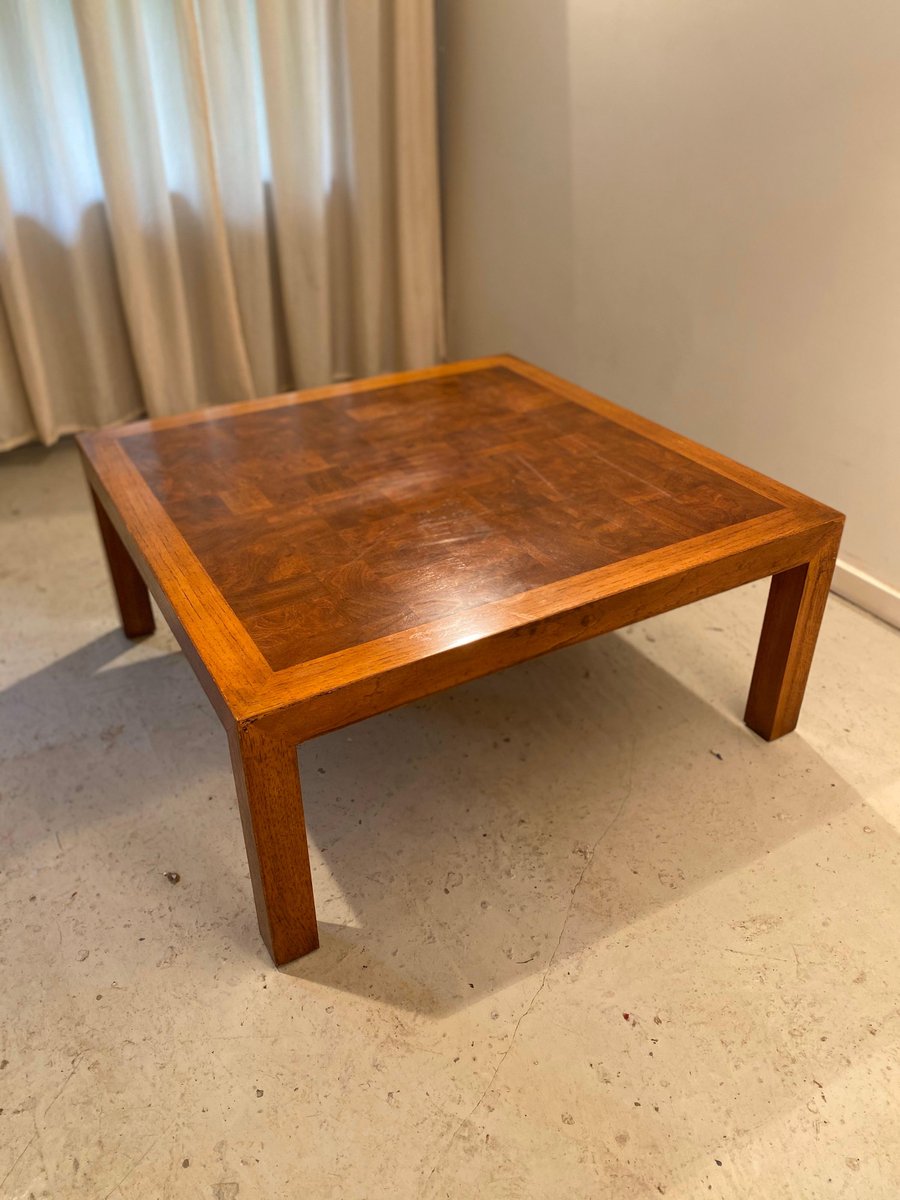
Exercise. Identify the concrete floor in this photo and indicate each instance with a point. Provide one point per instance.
(583, 935)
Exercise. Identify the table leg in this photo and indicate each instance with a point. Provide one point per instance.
(790, 628)
(131, 591)
(268, 788)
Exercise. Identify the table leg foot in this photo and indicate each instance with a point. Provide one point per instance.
(132, 596)
(268, 789)
(790, 628)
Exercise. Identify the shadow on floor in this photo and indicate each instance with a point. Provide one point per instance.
(458, 828)
(455, 830)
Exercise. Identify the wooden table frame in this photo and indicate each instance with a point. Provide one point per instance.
(266, 713)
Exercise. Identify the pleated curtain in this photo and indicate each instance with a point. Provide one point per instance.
(203, 201)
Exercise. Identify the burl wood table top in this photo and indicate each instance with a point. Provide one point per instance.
(327, 554)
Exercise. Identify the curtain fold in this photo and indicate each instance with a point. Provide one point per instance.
(207, 200)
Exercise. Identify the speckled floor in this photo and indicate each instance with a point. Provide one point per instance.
(583, 935)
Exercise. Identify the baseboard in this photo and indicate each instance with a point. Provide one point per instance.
(869, 593)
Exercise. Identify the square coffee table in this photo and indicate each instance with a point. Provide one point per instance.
(327, 555)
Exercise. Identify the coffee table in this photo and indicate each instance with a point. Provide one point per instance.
(327, 555)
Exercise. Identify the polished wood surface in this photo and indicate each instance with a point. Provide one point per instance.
(326, 555)
(330, 524)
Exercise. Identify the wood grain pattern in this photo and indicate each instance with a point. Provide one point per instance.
(399, 669)
(327, 525)
(325, 556)
(228, 663)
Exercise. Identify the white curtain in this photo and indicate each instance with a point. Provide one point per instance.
(207, 200)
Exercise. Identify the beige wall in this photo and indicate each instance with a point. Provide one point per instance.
(694, 209)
